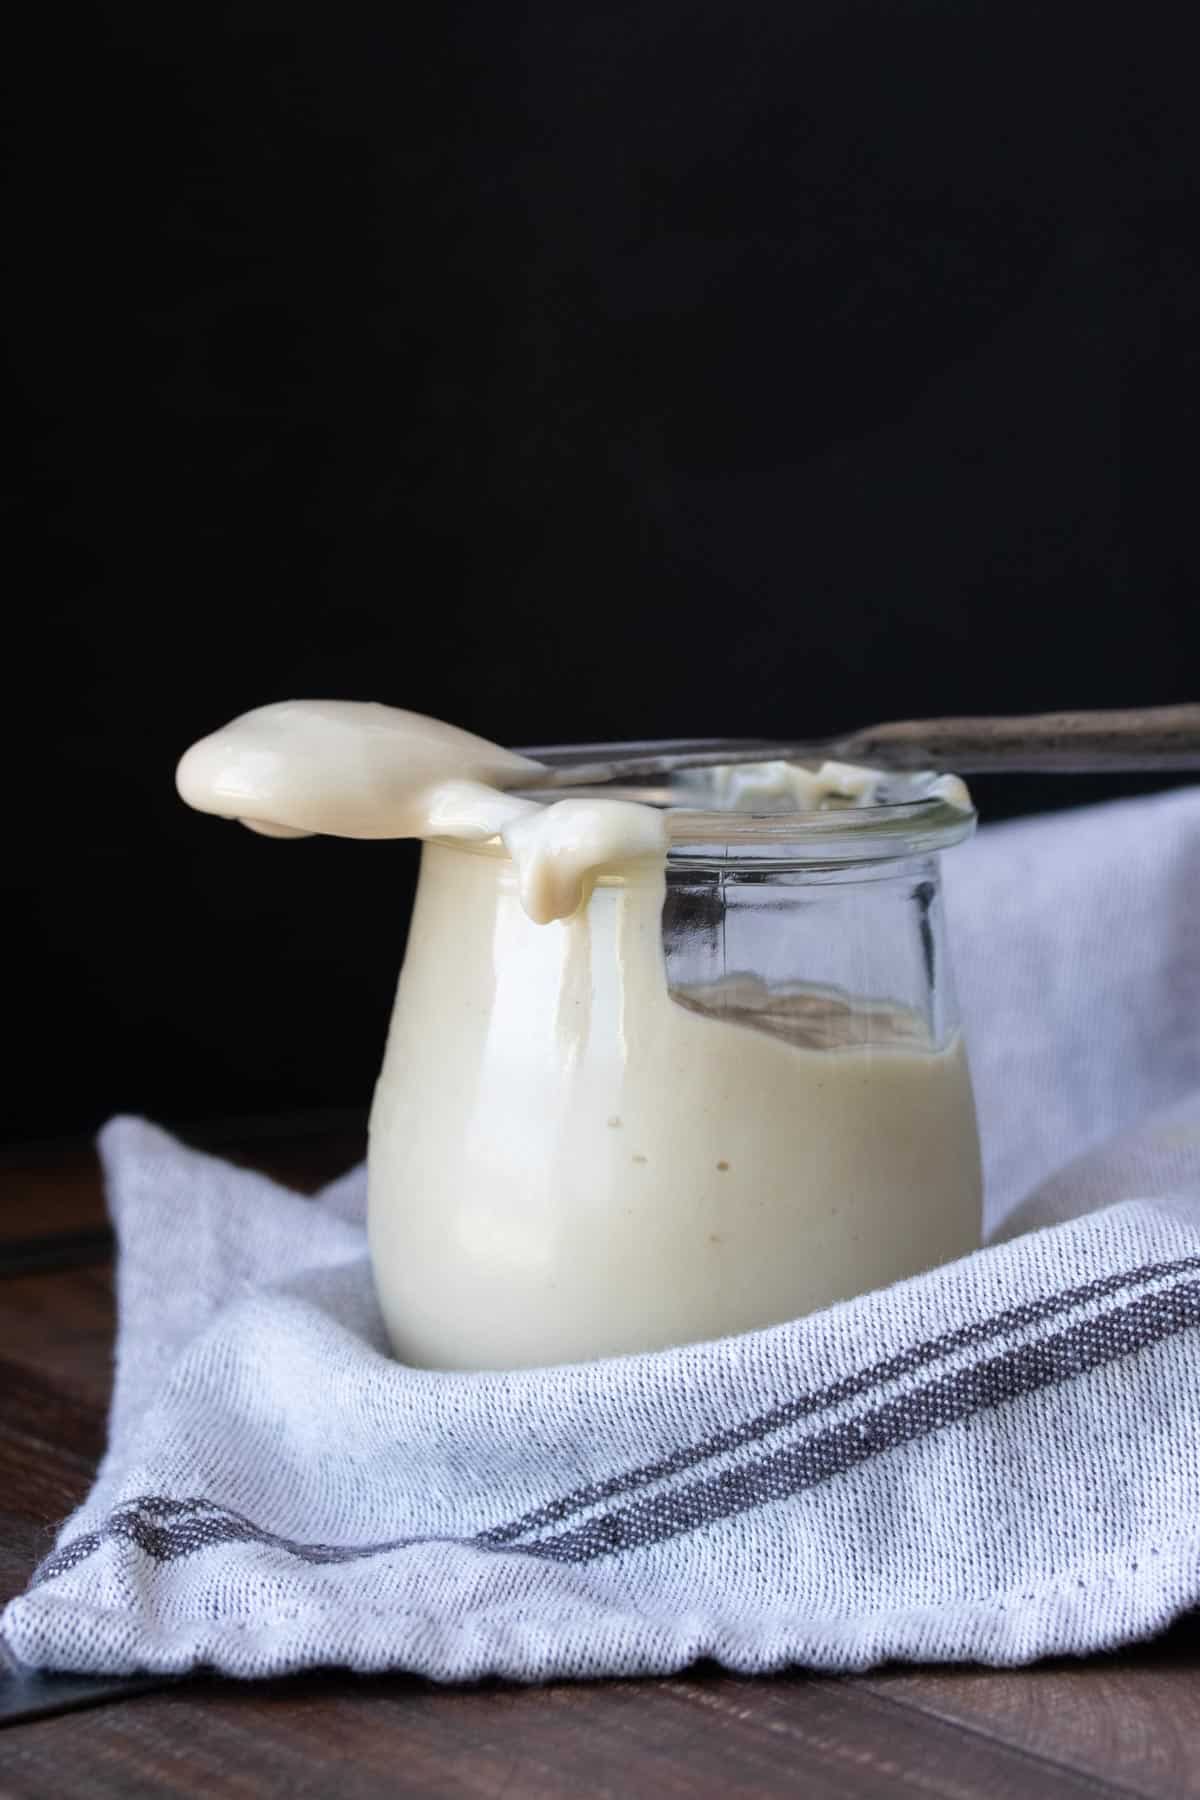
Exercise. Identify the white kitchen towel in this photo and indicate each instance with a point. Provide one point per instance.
(994, 1461)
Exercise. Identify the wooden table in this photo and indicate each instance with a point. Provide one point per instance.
(1111, 1726)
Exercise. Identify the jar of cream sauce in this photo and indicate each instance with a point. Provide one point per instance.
(710, 1083)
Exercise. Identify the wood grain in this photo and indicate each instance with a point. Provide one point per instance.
(1114, 1726)
(711, 1735)
(59, 1325)
(1132, 1719)
(49, 1188)
(46, 1189)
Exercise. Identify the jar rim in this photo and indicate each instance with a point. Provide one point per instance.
(924, 811)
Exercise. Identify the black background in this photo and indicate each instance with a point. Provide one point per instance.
(567, 372)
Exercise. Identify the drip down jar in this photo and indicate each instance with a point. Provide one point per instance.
(727, 1090)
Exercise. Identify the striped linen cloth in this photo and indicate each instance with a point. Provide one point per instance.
(994, 1461)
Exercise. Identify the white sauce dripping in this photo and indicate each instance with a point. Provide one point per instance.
(564, 1161)
(350, 768)
(356, 769)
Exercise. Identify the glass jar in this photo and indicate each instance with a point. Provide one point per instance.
(723, 1094)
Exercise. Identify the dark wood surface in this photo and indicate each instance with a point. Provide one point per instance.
(1121, 1725)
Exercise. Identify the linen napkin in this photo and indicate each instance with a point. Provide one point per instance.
(994, 1461)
